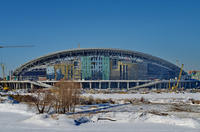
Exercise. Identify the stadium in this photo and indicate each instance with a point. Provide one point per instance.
(98, 64)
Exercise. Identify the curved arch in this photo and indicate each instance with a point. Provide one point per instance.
(90, 51)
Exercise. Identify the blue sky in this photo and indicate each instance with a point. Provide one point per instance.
(169, 29)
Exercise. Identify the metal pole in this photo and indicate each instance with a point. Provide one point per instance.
(99, 85)
(127, 85)
(90, 85)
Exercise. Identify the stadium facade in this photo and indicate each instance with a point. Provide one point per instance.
(98, 64)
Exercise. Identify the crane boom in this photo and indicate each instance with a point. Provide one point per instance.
(17, 46)
(179, 78)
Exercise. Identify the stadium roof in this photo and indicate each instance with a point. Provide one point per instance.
(91, 51)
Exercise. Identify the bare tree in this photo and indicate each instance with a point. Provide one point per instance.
(66, 96)
(44, 100)
(62, 98)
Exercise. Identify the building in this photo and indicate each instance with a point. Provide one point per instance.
(98, 64)
(195, 74)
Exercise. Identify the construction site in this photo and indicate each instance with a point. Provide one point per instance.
(100, 68)
(99, 88)
(99, 65)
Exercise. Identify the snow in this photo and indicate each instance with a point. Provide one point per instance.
(13, 108)
(153, 97)
(147, 96)
(46, 121)
(128, 118)
(16, 92)
(187, 122)
(16, 122)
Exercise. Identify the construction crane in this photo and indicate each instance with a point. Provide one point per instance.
(6, 88)
(3, 70)
(179, 78)
(17, 46)
(169, 85)
(13, 46)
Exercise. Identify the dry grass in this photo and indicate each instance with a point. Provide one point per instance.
(181, 108)
(23, 98)
(194, 101)
(140, 101)
(105, 91)
(54, 116)
(90, 101)
(158, 113)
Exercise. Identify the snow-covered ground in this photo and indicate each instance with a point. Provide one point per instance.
(153, 97)
(129, 118)
(147, 96)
